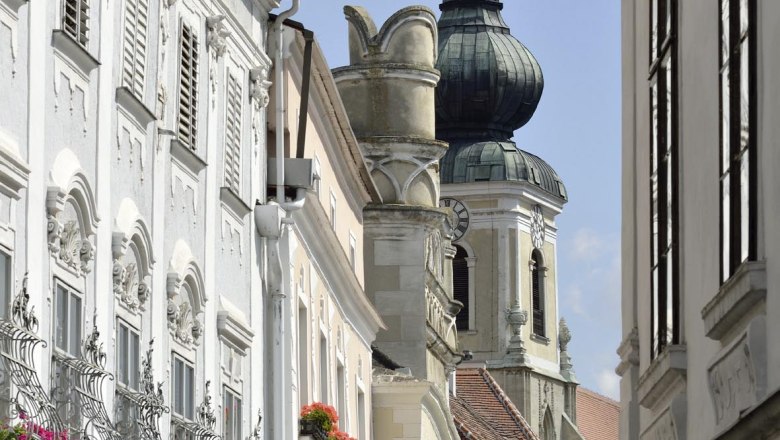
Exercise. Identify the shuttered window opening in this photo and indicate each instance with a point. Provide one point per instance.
(188, 89)
(233, 135)
(75, 20)
(134, 57)
(460, 287)
(537, 295)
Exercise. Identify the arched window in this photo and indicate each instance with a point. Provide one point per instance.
(537, 292)
(460, 287)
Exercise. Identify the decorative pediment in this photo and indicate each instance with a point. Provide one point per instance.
(133, 257)
(186, 297)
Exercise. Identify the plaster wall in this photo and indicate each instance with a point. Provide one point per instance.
(695, 405)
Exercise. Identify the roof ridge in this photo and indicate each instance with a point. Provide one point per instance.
(508, 404)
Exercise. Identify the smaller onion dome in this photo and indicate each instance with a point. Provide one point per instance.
(490, 83)
(492, 161)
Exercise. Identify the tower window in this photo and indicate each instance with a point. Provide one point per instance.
(537, 293)
(460, 287)
(663, 175)
(738, 167)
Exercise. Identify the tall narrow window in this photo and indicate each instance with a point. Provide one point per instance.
(352, 251)
(324, 369)
(127, 357)
(183, 382)
(738, 168)
(303, 355)
(75, 20)
(332, 211)
(341, 387)
(188, 88)
(232, 416)
(134, 55)
(67, 342)
(537, 293)
(460, 287)
(663, 175)
(233, 135)
(5, 285)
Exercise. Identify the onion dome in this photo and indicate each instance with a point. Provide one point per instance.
(490, 83)
(491, 161)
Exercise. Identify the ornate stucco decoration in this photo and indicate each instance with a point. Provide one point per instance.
(132, 291)
(186, 328)
(258, 91)
(517, 318)
(131, 246)
(564, 337)
(68, 242)
(257, 432)
(71, 214)
(216, 41)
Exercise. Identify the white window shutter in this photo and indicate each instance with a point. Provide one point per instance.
(134, 58)
(188, 88)
(233, 134)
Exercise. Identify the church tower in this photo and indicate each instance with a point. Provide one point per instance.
(505, 201)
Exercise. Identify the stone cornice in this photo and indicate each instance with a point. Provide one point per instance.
(658, 381)
(743, 292)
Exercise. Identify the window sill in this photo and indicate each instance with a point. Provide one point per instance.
(73, 51)
(234, 202)
(743, 292)
(134, 106)
(540, 339)
(664, 372)
(187, 158)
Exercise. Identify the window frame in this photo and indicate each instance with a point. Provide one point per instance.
(232, 139)
(78, 31)
(538, 309)
(732, 225)
(190, 139)
(122, 323)
(131, 80)
(71, 292)
(237, 422)
(664, 177)
(186, 363)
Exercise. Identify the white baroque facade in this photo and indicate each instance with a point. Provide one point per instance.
(132, 148)
(700, 357)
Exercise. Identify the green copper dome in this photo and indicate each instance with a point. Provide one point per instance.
(470, 161)
(490, 83)
(490, 86)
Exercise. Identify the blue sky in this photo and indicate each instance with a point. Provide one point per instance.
(576, 129)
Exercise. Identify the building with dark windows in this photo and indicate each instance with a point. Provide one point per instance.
(701, 248)
(504, 202)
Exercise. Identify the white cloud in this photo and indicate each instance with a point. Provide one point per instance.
(609, 384)
(586, 245)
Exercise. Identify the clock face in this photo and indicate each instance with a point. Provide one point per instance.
(537, 227)
(459, 219)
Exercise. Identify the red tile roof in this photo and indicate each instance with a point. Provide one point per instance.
(482, 411)
(598, 417)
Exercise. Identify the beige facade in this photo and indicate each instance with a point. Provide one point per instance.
(709, 368)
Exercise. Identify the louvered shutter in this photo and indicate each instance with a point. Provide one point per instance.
(134, 59)
(188, 88)
(75, 20)
(233, 135)
(538, 309)
(460, 287)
